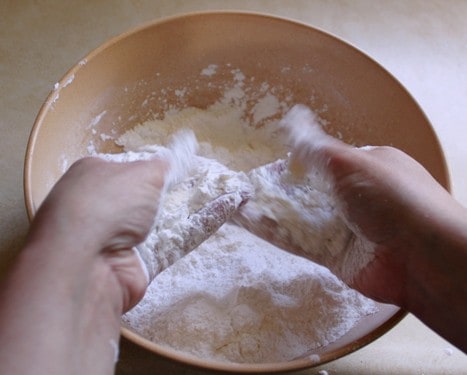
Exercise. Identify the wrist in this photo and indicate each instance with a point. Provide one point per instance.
(67, 311)
(436, 283)
(440, 249)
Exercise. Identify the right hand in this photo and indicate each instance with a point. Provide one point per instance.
(386, 198)
(418, 231)
(388, 201)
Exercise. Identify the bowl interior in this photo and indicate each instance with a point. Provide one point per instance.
(139, 75)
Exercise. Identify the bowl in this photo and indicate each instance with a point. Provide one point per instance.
(138, 75)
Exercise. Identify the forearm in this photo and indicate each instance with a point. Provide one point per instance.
(437, 280)
(56, 315)
(61, 304)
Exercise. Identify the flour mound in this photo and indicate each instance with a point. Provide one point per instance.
(237, 298)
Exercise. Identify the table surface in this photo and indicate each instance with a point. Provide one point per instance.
(422, 43)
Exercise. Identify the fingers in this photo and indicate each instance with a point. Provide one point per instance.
(311, 146)
(298, 217)
(122, 198)
(131, 275)
(211, 217)
(314, 150)
(107, 167)
(159, 251)
(183, 147)
(178, 156)
(139, 166)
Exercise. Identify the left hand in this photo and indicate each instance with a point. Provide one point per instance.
(98, 211)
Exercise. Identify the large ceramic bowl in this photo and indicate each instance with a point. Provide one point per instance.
(135, 76)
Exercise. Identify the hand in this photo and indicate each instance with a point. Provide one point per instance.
(380, 193)
(98, 212)
(416, 230)
(387, 199)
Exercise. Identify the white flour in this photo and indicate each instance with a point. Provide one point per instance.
(237, 298)
(222, 134)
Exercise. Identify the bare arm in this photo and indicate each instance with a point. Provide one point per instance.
(60, 306)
